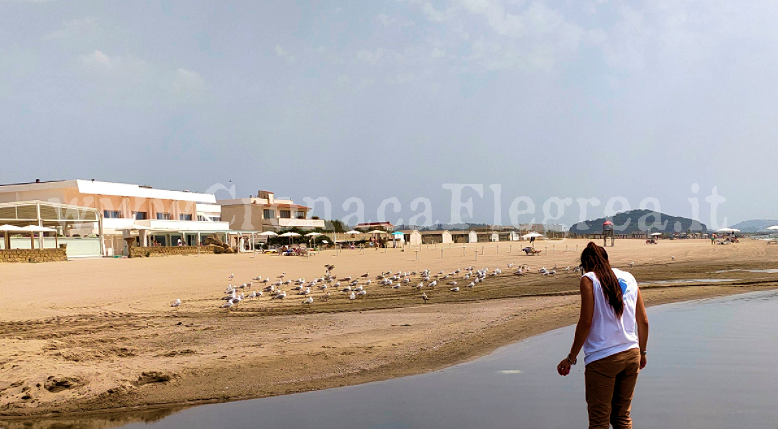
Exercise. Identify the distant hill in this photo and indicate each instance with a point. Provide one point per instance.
(754, 225)
(640, 220)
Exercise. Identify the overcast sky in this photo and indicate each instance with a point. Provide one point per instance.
(380, 99)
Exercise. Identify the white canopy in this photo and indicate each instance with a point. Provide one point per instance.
(728, 230)
(290, 234)
(377, 231)
(268, 233)
(353, 232)
(656, 233)
(532, 234)
(9, 228)
(133, 227)
(36, 228)
(773, 228)
(313, 234)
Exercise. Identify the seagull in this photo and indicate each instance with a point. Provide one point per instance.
(232, 276)
(352, 296)
(456, 289)
(308, 300)
(631, 264)
(471, 285)
(176, 303)
(452, 283)
(433, 284)
(365, 275)
(397, 286)
(673, 258)
(227, 304)
(368, 282)
(346, 289)
(424, 297)
(362, 293)
(280, 295)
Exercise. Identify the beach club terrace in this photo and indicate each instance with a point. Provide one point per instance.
(153, 217)
(265, 212)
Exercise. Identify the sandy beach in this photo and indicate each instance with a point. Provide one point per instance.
(99, 335)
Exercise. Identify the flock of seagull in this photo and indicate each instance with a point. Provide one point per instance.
(357, 287)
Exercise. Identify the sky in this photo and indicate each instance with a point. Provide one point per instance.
(406, 99)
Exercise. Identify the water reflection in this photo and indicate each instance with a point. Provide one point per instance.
(92, 421)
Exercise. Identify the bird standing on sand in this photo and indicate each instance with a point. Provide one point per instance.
(308, 300)
(456, 289)
(227, 304)
(352, 296)
(176, 303)
(631, 264)
(424, 297)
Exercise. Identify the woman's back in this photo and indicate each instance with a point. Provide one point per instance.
(609, 333)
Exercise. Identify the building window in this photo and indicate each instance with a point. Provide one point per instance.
(112, 214)
(140, 215)
(163, 216)
(268, 214)
(185, 216)
(300, 215)
(286, 214)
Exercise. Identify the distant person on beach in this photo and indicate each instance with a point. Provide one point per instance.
(613, 331)
(713, 239)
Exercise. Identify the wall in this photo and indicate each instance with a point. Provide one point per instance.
(29, 255)
(137, 252)
(75, 246)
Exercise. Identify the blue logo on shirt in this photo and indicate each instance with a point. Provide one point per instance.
(623, 285)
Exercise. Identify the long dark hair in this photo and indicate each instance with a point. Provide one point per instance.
(594, 258)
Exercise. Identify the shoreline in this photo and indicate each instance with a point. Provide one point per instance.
(556, 312)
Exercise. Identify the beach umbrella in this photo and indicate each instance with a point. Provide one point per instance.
(531, 235)
(728, 230)
(352, 232)
(290, 234)
(772, 228)
(656, 233)
(313, 234)
(377, 231)
(8, 229)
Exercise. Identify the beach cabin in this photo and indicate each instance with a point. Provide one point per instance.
(472, 237)
(495, 237)
(436, 237)
(414, 238)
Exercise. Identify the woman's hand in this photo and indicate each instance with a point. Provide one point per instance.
(643, 361)
(564, 367)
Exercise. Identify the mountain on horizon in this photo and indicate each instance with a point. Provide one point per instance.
(754, 225)
(640, 220)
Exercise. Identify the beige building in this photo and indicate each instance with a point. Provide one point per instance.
(265, 212)
(154, 216)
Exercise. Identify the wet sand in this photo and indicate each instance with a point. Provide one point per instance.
(99, 335)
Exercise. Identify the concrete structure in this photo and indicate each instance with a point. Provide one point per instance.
(155, 215)
(266, 213)
(59, 217)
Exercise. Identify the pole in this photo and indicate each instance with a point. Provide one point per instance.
(476, 255)
(417, 254)
(441, 253)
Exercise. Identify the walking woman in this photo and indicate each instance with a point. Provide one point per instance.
(613, 331)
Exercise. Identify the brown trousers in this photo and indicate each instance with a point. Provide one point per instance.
(610, 383)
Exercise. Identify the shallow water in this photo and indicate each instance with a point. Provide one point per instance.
(711, 365)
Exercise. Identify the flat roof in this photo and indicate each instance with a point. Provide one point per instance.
(96, 187)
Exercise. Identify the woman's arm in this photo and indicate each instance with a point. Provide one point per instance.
(583, 327)
(642, 321)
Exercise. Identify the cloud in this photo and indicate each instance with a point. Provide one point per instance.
(388, 21)
(370, 57)
(74, 28)
(281, 52)
(187, 82)
(100, 62)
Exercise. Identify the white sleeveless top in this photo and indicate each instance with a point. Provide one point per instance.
(610, 335)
